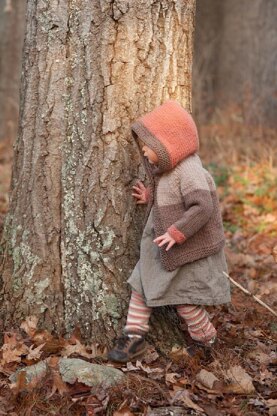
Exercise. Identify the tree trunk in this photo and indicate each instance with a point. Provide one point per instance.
(209, 21)
(247, 73)
(72, 234)
(12, 24)
(235, 59)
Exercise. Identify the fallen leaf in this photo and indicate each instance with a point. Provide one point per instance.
(241, 382)
(253, 333)
(97, 351)
(211, 410)
(150, 356)
(256, 402)
(171, 378)
(93, 405)
(52, 345)
(77, 348)
(78, 390)
(207, 379)
(184, 381)
(58, 383)
(30, 325)
(267, 288)
(20, 384)
(148, 370)
(35, 353)
(272, 405)
(13, 348)
(259, 356)
(42, 337)
(184, 397)
(266, 376)
(130, 367)
(178, 353)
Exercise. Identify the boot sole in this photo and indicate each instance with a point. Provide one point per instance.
(141, 352)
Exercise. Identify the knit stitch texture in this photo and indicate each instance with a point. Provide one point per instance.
(183, 192)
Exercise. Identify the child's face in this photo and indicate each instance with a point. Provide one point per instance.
(149, 154)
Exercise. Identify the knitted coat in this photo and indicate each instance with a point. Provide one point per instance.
(182, 192)
(201, 282)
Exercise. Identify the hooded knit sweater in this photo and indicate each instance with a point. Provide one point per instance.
(182, 192)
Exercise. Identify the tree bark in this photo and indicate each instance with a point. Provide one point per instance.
(72, 234)
(235, 59)
(247, 72)
(12, 25)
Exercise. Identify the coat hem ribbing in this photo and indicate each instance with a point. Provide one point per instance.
(192, 256)
(190, 301)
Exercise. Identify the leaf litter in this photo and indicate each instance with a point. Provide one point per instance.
(239, 380)
(178, 381)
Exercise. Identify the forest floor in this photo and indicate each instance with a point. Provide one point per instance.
(239, 379)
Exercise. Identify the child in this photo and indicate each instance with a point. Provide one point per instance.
(181, 253)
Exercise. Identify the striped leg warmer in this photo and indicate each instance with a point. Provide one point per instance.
(199, 325)
(138, 315)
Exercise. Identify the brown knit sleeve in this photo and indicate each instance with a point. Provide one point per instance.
(198, 204)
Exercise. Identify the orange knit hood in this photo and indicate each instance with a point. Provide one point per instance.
(170, 132)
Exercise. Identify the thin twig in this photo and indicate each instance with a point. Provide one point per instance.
(250, 294)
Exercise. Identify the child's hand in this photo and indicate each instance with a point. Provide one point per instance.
(164, 239)
(140, 193)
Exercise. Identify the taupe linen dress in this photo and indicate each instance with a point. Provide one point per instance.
(201, 282)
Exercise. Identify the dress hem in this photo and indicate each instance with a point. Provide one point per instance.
(206, 302)
(187, 301)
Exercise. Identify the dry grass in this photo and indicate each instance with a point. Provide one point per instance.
(228, 140)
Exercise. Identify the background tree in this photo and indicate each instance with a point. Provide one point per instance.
(72, 234)
(235, 59)
(12, 25)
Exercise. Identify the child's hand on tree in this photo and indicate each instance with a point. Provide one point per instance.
(140, 193)
(164, 239)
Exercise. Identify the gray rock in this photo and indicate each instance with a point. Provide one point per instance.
(75, 369)
(33, 371)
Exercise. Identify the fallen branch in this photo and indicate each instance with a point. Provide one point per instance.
(250, 294)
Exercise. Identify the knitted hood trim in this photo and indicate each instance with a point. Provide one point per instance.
(169, 130)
